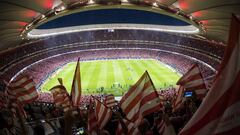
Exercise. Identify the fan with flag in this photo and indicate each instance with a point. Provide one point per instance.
(219, 112)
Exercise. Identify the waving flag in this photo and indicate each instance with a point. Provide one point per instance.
(219, 112)
(193, 81)
(110, 101)
(164, 126)
(103, 114)
(140, 100)
(92, 120)
(76, 86)
(61, 97)
(131, 129)
(160, 125)
(179, 99)
(15, 106)
(23, 89)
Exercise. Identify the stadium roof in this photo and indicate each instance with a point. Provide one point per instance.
(19, 17)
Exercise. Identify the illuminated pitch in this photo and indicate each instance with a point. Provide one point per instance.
(113, 76)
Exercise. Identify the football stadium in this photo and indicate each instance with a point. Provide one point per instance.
(124, 67)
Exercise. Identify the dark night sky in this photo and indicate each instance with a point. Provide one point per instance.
(112, 16)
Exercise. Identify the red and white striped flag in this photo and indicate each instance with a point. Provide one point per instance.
(76, 86)
(179, 99)
(110, 101)
(219, 112)
(103, 114)
(131, 129)
(92, 120)
(160, 126)
(23, 89)
(193, 81)
(140, 100)
(61, 97)
(15, 106)
(164, 126)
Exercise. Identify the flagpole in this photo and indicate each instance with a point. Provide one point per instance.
(74, 78)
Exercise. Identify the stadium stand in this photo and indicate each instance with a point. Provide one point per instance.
(208, 52)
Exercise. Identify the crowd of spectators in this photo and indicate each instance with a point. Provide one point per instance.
(43, 117)
(182, 65)
(42, 69)
(200, 49)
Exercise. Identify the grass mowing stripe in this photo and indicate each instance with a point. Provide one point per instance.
(168, 80)
(154, 73)
(138, 68)
(95, 76)
(169, 72)
(86, 81)
(115, 89)
(126, 73)
(110, 72)
(118, 73)
(144, 66)
(151, 65)
(131, 70)
(161, 77)
(101, 82)
(84, 67)
(85, 70)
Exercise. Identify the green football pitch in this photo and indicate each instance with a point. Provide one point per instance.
(112, 76)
